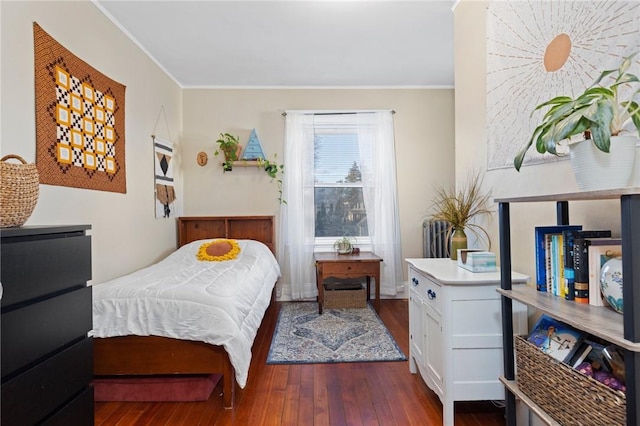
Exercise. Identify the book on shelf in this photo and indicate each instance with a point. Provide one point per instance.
(552, 263)
(557, 265)
(569, 272)
(584, 348)
(600, 251)
(556, 338)
(596, 355)
(581, 267)
(562, 288)
(542, 238)
(547, 264)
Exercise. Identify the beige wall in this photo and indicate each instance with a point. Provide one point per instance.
(471, 151)
(423, 132)
(125, 234)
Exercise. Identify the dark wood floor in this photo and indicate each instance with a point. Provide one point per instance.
(374, 393)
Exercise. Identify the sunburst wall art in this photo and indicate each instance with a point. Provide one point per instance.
(540, 49)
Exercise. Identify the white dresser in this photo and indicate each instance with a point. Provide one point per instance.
(455, 330)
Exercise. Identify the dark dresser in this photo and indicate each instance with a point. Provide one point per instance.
(47, 358)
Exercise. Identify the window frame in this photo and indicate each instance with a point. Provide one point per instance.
(341, 126)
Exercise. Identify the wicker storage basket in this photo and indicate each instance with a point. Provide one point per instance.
(568, 396)
(18, 191)
(341, 297)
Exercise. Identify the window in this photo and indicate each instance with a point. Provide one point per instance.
(338, 198)
(340, 181)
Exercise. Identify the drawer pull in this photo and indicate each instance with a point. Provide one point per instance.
(415, 281)
(431, 294)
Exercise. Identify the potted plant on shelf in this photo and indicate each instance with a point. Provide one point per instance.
(606, 115)
(230, 147)
(458, 209)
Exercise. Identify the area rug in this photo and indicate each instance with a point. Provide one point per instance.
(302, 336)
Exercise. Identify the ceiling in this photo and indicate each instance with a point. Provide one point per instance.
(293, 43)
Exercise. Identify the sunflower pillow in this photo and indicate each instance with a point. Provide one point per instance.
(218, 250)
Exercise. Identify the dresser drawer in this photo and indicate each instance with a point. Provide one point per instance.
(35, 394)
(34, 331)
(77, 412)
(32, 269)
(427, 288)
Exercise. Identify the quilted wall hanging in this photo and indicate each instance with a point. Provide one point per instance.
(80, 140)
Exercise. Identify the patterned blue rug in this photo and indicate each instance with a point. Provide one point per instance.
(302, 336)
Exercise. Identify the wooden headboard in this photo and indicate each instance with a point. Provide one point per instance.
(259, 228)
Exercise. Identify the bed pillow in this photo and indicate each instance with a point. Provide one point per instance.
(218, 250)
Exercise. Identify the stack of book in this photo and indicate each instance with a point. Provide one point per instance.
(550, 255)
(568, 261)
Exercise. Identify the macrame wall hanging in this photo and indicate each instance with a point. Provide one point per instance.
(165, 193)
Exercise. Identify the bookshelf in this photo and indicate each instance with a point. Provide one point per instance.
(622, 330)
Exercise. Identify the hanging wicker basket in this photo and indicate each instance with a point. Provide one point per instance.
(18, 191)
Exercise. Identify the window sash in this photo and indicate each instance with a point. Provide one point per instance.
(342, 158)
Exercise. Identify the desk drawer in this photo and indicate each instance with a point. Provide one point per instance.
(349, 270)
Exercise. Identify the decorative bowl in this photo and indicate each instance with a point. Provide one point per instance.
(611, 283)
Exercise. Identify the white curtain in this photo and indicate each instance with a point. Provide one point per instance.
(296, 237)
(380, 192)
(297, 228)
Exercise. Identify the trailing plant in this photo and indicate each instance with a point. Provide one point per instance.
(600, 110)
(459, 208)
(275, 171)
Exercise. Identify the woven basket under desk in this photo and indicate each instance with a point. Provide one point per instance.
(566, 395)
(336, 297)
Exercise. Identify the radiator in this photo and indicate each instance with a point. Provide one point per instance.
(435, 240)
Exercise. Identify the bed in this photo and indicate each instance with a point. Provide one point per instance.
(126, 345)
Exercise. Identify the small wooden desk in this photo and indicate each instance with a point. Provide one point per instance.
(364, 264)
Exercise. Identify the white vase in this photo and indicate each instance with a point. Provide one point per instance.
(596, 170)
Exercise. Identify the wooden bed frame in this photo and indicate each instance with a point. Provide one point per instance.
(153, 355)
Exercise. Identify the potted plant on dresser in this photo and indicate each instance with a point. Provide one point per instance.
(609, 118)
(458, 208)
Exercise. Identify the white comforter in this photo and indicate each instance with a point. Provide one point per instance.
(221, 303)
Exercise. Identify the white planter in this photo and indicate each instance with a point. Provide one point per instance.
(597, 170)
(635, 179)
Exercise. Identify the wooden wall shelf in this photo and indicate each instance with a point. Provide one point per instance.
(245, 163)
